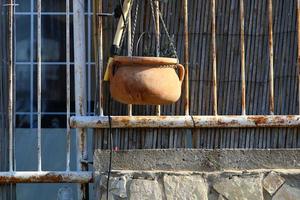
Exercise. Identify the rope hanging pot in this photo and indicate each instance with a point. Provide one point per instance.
(145, 80)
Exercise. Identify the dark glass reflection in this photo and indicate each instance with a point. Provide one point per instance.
(23, 44)
(54, 89)
(53, 38)
(23, 88)
(22, 121)
(23, 5)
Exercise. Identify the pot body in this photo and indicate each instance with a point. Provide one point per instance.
(145, 84)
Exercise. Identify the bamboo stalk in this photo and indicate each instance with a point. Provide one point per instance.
(271, 57)
(242, 43)
(186, 58)
(214, 56)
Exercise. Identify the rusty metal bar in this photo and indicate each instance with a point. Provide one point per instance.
(80, 88)
(186, 59)
(220, 121)
(298, 48)
(214, 56)
(10, 83)
(242, 44)
(129, 43)
(68, 84)
(39, 82)
(271, 58)
(157, 41)
(45, 177)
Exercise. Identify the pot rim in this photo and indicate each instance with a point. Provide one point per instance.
(143, 60)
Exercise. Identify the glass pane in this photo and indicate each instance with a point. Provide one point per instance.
(58, 5)
(52, 5)
(54, 88)
(23, 88)
(22, 121)
(54, 121)
(53, 38)
(23, 5)
(23, 38)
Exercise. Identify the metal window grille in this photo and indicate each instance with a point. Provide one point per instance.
(101, 121)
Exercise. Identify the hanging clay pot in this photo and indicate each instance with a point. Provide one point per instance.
(145, 80)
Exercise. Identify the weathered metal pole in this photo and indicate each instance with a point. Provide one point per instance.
(214, 56)
(186, 59)
(298, 48)
(271, 58)
(100, 56)
(129, 46)
(157, 41)
(68, 155)
(242, 45)
(202, 121)
(45, 177)
(39, 83)
(10, 84)
(80, 88)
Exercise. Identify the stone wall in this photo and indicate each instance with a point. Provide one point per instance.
(255, 185)
(229, 182)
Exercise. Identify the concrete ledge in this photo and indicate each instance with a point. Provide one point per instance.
(198, 160)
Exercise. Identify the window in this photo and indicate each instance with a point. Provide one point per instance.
(53, 63)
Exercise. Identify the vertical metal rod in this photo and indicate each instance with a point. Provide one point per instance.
(100, 56)
(271, 60)
(298, 42)
(68, 84)
(39, 81)
(242, 43)
(98, 50)
(80, 88)
(214, 56)
(129, 42)
(186, 58)
(10, 82)
(157, 41)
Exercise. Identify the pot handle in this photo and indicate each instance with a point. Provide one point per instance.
(181, 72)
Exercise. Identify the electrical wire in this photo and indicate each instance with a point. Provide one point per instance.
(110, 145)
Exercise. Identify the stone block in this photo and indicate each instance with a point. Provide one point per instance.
(272, 182)
(117, 187)
(145, 189)
(239, 188)
(185, 187)
(287, 192)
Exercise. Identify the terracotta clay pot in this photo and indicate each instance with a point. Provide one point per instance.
(145, 80)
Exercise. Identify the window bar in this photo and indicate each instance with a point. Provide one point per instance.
(242, 43)
(89, 46)
(186, 58)
(100, 55)
(298, 41)
(157, 40)
(80, 89)
(10, 82)
(39, 82)
(271, 60)
(68, 83)
(129, 42)
(214, 56)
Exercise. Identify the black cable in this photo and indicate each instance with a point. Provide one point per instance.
(110, 144)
